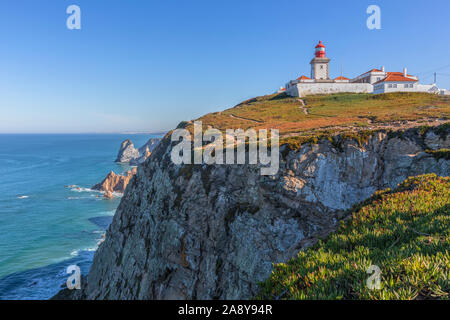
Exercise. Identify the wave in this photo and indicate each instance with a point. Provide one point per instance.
(75, 253)
(76, 188)
(43, 282)
(81, 189)
(85, 197)
(108, 213)
(118, 194)
(23, 197)
(78, 198)
(103, 221)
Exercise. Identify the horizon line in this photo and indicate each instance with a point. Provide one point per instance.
(112, 132)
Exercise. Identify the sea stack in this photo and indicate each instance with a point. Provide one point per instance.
(127, 152)
(115, 182)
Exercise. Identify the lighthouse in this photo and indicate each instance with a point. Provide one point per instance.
(320, 64)
(320, 50)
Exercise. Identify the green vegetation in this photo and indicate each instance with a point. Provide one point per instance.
(285, 113)
(336, 117)
(405, 232)
(328, 115)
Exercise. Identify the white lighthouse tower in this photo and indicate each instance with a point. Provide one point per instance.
(320, 64)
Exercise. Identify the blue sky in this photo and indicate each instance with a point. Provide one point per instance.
(147, 65)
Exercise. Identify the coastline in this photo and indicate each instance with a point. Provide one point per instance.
(50, 217)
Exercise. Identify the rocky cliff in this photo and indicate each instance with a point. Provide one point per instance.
(127, 152)
(213, 231)
(115, 183)
(149, 145)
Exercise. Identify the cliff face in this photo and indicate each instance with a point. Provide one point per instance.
(202, 232)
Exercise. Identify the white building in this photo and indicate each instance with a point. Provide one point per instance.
(320, 81)
(396, 81)
(371, 76)
(372, 81)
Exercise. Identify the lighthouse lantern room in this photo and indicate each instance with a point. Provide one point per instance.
(320, 50)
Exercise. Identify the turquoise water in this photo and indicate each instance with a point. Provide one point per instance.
(46, 226)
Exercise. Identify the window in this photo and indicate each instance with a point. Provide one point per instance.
(406, 85)
(378, 78)
(321, 66)
(394, 85)
(390, 85)
(411, 85)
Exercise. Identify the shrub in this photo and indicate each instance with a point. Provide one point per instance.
(406, 232)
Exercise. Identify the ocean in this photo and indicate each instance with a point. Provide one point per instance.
(49, 218)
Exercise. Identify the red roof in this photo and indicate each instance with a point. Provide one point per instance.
(342, 78)
(282, 89)
(398, 74)
(396, 77)
(303, 78)
(320, 45)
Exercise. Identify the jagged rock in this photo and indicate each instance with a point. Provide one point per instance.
(115, 182)
(127, 152)
(145, 151)
(213, 231)
(434, 141)
(149, 146)
(141, 159)
(108, 195)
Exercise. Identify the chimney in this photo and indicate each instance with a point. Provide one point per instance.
(382, 68)
(405, 74)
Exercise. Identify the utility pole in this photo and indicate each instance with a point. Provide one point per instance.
(435, 78)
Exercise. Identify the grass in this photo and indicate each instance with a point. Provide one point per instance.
(405, 232)
(282, 112)
(327, 115)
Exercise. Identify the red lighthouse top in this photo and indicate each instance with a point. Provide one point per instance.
(320, 50)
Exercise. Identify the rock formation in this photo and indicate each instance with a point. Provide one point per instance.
(108, 195)
(115, 183)
(149, 146)
(213, 231)
(141, 159)
(127, 152)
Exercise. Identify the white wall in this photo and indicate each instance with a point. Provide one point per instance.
(400, 87)
(303, 89)
(384, 87)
